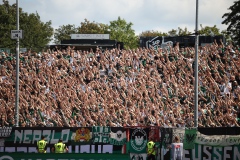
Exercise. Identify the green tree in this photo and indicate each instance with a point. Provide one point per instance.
(152, 34)
(209, 31)
(232, 19)
(7, 23)
(64, 32)
(88, 27)
(173, 32)
(183, 32)
(122, 31)
(36, 33)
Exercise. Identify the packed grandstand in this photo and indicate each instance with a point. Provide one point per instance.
(122, 87)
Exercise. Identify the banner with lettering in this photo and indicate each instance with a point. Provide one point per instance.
(5, 131)
(28, 136)
(138, 140)
(217, 140)
(118, 136)
(201, 152)
(78, 139)
(101, 134)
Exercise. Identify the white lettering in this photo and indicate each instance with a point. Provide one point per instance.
(199, 153)
(4, 134)
(99, 148)
(92, 149)
(207, 152)
(186, 152)
(16, 31)
(225, 155)
(52, 139)
(22, 149)
(85, 148)
(32, 136)
(47, 134)
(32, 150)
(67, 133)
(36, 136)
(77, 149)
(236, 155)
(89, 36)
(107, 149)
(18, 135)
(26, 139)
(215, 151)
(69, 149)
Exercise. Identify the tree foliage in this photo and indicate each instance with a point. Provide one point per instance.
(152, 33)
(232, 19)
(64, 32)
(122, 31)
(36, 33)
(179, 32)
(183, 32)
(172, 32)
(209, 31)
(7, 23)
(88, 27)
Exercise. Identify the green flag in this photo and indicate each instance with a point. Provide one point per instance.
(138, 140)
(189, 138)
(101, 134)
(117, 136)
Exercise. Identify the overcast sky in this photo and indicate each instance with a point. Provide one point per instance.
(157, 15)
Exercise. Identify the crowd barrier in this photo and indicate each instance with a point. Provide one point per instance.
(97, 142)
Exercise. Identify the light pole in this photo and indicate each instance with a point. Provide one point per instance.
(196, 71)
(17, 72)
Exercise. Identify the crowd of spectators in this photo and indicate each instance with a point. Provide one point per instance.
(125, 87)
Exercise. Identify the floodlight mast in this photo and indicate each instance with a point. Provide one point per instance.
(196, 71)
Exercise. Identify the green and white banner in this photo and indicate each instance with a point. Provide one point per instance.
(189, 138)
(101, 134)
(137, 156)
(217, 140)
(118, 136)
(138, 140)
